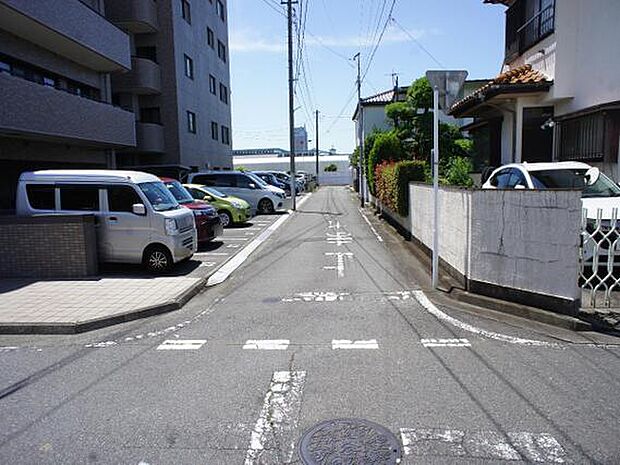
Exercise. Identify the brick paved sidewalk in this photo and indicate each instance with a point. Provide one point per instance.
(69, 306)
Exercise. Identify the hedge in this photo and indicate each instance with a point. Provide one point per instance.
(392, 183)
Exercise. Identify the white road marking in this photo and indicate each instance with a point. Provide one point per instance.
(266, 344)
(182, 344)
(233, 246)
(214, 254)
(347, 344)
(242, 239)
(431, 308)
(101, 345)
(208, 264)
(340, 238)
(317, 297)
(445, 343)
(249, 234)
(489, 445)
(273, 437)
(372, 228)
(339, 262)
(8, 348)
(225, 271)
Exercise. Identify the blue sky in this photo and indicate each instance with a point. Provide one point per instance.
(460, 34)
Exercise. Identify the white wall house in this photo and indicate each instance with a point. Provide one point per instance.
(558, 94)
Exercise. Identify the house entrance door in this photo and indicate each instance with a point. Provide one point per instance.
(537, 135)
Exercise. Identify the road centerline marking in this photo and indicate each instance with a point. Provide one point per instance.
(431, 342)
(266, 344)
(346, 344)
(182, 344)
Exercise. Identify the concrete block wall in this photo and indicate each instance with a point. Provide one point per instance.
(527, 240)
(516, 245)
(48, 247)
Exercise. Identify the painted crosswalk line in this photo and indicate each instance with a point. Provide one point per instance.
(266, 344)
(338, 344)
(273, 437)
(482, 445)
(445, 342)
(182, 344)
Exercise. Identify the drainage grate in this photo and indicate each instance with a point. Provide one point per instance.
(347, 442)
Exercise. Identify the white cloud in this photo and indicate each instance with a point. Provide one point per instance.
(244, 41)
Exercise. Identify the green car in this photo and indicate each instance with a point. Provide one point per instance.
(231, 210)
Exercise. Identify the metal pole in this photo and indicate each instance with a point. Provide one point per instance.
(360, 129)
(436, 187)
(291, 101)
(317, 146)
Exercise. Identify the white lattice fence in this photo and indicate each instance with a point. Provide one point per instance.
(599, 258)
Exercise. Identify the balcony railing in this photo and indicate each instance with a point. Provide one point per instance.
(522, 35)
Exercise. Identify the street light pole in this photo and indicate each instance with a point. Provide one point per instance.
(291, 100)
(360, 129)
(436, 187)
(316, 141)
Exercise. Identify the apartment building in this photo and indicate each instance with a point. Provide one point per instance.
(56, 106)
(179, 85)
(557, 97)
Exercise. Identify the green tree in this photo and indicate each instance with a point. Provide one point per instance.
(386, 147)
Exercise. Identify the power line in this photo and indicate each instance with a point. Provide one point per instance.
(372, 55)
(418, 43)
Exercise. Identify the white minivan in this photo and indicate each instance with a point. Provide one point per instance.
(137, 218)
(262, 197)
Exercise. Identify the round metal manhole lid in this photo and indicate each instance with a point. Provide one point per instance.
(349, 441)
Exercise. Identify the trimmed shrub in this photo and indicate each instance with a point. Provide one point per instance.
(458, 171)
(392, 183)
(331, 168)
(387, 147)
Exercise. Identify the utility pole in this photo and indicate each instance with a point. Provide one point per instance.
(316, 139)
(360, 129)
(291, 100)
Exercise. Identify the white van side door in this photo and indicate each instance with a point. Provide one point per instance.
(124, 233)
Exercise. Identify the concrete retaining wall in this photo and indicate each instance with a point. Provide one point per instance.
(517, 245)
(48, 247)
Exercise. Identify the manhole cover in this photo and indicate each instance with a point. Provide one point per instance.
(349, 442)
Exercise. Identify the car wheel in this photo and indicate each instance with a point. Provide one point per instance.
(265, 206)
(225, 218)
(157, 259)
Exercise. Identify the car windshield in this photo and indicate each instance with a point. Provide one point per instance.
(179, 192)
(215, 192)
(575, 178)
(258, 180)
(158, 196)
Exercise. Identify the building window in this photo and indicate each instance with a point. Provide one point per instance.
(150, 115)
(150, 53)
(527, 23)
(210, 38)
(581, 138)
(219, 9)
(189, 67)
(221, 50)
(186, 11)
(225, 135)
(212, 84)
(223, 93)
(214, 130)
(191, 122)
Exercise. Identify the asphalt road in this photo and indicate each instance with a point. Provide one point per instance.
(326, 320)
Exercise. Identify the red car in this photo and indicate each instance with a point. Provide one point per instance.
(208, 222)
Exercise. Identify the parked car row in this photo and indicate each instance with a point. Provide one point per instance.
(142, 218)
